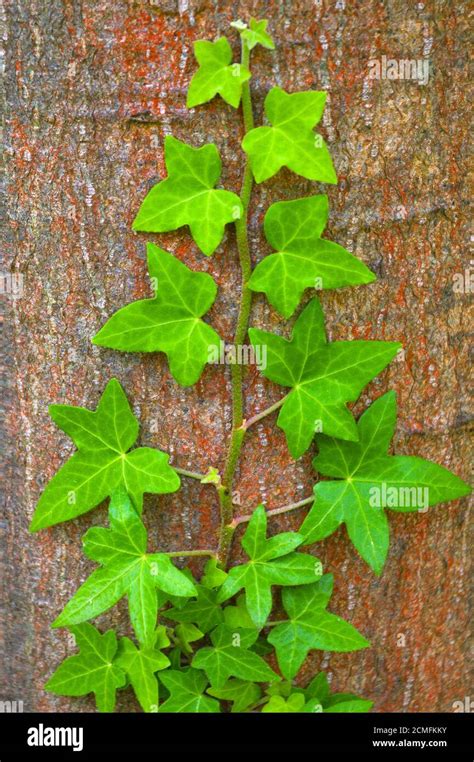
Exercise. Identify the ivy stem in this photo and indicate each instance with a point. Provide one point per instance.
(275, 511)
(238, 432)
(258, 417)
(191, 474)
(189, 553)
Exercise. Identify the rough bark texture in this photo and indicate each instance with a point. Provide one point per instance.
(92, 88)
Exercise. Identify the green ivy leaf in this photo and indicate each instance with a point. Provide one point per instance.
(175, 658)
(318, 690)
(212, 477)
(242, 694)
(186, 634)
(255, 34)
(188, 196)
(262, 647)
(323, 376)
(369, 480)
(272, 562)
(170, 321)
(283, 688)
(303, 258)
(213, 576)
(177, 601)
(347, 705)
(295, 703)
(127, 569)
(141, 664)
(229, 657)
(310, 627)
(102, 462)
(290, 141)
(237, 616)
(92, 670)
(216, 74)
(186, 689)
(204, 611)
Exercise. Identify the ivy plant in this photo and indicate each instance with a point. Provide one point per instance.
(234, 638)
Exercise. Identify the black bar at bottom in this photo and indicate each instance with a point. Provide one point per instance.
(426, 735)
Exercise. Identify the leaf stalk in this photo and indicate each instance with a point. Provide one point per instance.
(275, 511)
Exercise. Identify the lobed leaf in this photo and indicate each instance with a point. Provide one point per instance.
(310, 627)
(127, 569)
(216, 74)
(141, 664)
(316, 697)
(290, 141)
(272, 562)
(369, 480)
(323, 377)
(303, 259)
(186, 688)
(295, 703)
(204, 611)
(241, 693)
(170, 321)
(229, 656)
(255, 33)
(188, 197)
(102, 462)
(213, 576)
(92, 670)
(318, 689)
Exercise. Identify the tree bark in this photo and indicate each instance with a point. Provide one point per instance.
(91, 88)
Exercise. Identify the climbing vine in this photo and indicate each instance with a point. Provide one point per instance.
(211, 644)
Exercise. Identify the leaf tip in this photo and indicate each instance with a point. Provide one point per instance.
(33, 527)
(38, 522)
(371, 276)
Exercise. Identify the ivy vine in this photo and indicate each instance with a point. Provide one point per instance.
(210, 645)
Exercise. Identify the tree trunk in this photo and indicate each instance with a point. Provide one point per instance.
(92, 88)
